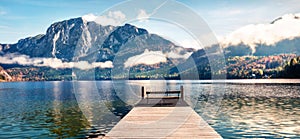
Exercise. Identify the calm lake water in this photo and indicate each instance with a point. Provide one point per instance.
(80, 109)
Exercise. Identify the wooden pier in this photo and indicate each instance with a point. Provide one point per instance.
(165, 117)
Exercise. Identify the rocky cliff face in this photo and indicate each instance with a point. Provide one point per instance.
(61, 40)
(79, 40)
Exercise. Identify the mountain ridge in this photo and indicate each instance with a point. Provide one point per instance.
(76, 43)
(84, 45)
(79, 40)
(279, 36)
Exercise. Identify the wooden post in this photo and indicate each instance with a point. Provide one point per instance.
(143, 94)
(181, 93)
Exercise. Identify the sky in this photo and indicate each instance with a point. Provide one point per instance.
(23, 18)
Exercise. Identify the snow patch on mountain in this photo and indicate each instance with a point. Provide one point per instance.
(86, 37)
(55, 38)
(71, 26)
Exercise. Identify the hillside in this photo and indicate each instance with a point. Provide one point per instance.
(238, 67)
(85, 47)
(4, 76)
(86, 50)
(258, 66)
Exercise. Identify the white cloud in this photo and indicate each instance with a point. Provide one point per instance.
(286, 28)
(114, 18)
(106, 64)
(142, 15)
(51, 62)
(89, 17)
(147, 58)
(188, 43)
(175, 55)
(155, 57)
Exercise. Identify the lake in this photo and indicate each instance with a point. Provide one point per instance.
(80, 109)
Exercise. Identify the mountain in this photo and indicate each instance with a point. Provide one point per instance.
(129, 52)
(253, 51)
(85, 45)
(79, 40)
(242, 67)
(281, 35)
(62, 39)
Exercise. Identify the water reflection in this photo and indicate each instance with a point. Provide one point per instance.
(66, 120)
(50, 109)
(100, 104)
(91, 109)
(259, 117)
(64, 117)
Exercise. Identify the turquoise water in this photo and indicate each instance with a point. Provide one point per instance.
(237, 109)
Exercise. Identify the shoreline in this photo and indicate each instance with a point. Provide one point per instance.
(281, 81)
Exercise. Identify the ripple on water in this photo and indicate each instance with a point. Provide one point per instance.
(264, 118)
(50, 110)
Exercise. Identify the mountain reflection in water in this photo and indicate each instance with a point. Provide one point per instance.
(237, 109)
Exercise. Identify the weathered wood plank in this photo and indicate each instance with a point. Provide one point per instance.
(162, 102)
(162, 122)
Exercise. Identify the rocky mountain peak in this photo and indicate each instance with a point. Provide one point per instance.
(121, 35)
(80, 40)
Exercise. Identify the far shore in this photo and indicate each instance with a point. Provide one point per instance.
(294, 81)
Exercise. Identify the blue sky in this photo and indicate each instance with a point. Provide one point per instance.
(24, 18)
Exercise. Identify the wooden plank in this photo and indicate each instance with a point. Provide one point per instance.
(162, 102)
(163, 92)
(163, 97)
(143, 92)
(162, 122)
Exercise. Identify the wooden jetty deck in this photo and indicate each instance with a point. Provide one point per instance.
(162, 120)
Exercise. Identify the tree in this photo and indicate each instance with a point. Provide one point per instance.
(2, 77)
(293, 62)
